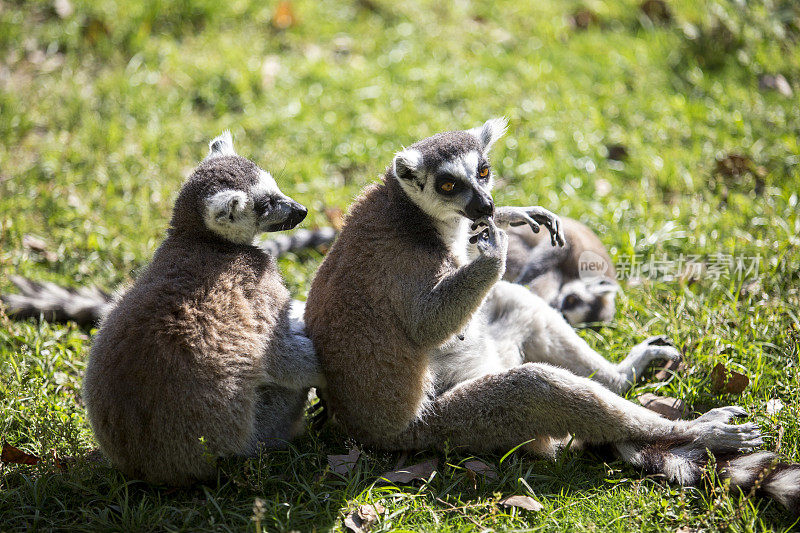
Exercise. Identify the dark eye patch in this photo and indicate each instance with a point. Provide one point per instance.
(447, 185)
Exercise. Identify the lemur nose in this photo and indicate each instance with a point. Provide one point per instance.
(480, 205)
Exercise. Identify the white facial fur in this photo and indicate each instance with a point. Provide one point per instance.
(230, 213)
(447, 211)
(588, 293)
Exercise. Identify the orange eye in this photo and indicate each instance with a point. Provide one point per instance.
(484, 172)
(447, 186)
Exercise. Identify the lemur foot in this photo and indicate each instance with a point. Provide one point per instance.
(659, 347)
(713, 432)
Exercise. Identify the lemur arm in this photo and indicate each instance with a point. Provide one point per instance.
(436, 314)
(294, 363)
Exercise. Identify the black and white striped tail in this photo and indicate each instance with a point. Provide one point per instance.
(88, 305)
(760, 472)
(84, 305)
(301, 239)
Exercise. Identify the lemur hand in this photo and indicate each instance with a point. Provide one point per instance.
(532, 216)
(490, 240)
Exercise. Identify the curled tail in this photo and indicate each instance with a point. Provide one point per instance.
(297, 240)
(760, 472)
(84, 305)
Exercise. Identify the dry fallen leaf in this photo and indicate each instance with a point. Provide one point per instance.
(523, 502)
(671, 408)
(774, 406)
(657, 11)
(617, 152)
(583, 18)
(480, 468)
(13, 455)
(364, 517)
(38, 245)
(728, 381)
(672, 367)
(283, 17)
(343, 464)
(421, 471)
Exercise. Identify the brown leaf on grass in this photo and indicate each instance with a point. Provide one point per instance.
(344, 464)
(13, 455)
(479, 468)
(362, 519)
(670, 408)
(672, 367)
(657, 11)
(582, 18)
(336, 217)
(728, 381)
(39, 245)
(523, 502)
(775, 82)
(617, 152)
(421, 471)
(284, 18)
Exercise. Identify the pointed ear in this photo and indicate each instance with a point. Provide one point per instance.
(407, 163)
(490, 132)
(221, 145)
(603, 287)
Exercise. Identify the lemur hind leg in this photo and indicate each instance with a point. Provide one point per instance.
(519, 317)
(536, 400)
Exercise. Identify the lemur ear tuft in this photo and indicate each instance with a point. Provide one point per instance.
(490, 132)
(603, 286)
(407, 163)
(221, 145)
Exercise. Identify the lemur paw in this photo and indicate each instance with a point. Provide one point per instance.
(490, 240)
(720, 437)
(532, 216)
(723, 414)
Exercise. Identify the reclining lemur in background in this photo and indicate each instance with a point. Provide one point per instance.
(423, 346)
(202, 356)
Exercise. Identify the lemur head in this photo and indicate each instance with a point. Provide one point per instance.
(233, 198)
(585, 301)
(448, 175)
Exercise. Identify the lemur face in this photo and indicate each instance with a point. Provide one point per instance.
(448, 175)
(238, 200)
(587, 301)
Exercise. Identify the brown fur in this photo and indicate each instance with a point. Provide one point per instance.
(181, 370)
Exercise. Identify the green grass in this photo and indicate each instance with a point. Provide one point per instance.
(102, 115)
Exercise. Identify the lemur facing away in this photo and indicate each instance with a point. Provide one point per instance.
(201, 357)
(577, 279)
(422, 344)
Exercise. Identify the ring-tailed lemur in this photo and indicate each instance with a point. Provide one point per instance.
(422, 344)
(577, 279)
(202, 357)
(87, 305)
